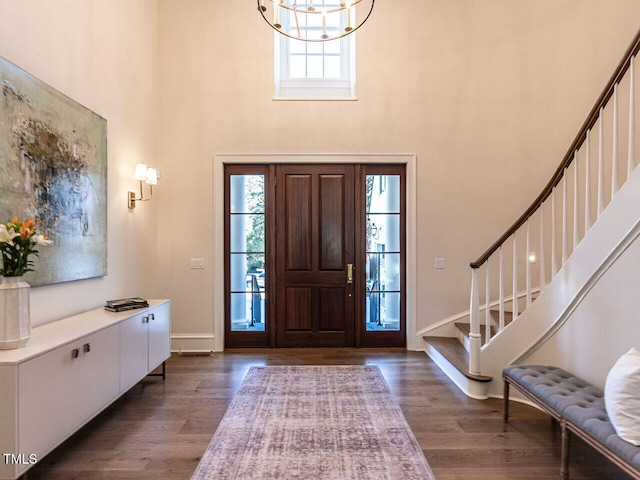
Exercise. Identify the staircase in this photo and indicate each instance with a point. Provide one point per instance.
(565, 225)
(453, 353)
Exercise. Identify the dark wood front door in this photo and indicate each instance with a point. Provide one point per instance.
(315, 249)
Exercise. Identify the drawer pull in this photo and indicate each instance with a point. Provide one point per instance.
(86, 347)
(75, 352)
(153, 316)
(145, 319)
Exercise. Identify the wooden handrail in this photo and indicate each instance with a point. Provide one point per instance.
(591, 120)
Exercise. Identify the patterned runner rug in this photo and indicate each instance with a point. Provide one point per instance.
(311, 423)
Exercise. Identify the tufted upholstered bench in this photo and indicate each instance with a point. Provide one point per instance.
(577, 406)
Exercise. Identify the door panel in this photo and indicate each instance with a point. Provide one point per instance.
(332, 193)
(315, 220)
(332, 306)
(298, 309)
(298, 226)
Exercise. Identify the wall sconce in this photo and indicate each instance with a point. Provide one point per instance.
(146, 175)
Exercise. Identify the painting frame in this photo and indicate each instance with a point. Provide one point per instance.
(53, 168)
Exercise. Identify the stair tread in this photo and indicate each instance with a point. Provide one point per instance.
(508, 316)
(455, 353)
(465, 328)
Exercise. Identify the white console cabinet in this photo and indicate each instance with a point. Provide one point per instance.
(70, 371)
(144, 342)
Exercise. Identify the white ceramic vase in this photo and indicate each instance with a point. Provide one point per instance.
(15, 314)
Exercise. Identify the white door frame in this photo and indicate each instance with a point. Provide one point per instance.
(220, 160)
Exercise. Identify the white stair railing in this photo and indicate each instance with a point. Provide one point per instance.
(542, 215)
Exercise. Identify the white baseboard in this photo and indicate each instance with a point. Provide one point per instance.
(472, 388)
(192, 343)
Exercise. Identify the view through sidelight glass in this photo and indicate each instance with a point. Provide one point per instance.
(247, 274)
(383, 253)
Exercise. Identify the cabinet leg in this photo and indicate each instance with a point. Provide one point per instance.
(163, 374)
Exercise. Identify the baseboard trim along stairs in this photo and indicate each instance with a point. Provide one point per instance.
(451, 356)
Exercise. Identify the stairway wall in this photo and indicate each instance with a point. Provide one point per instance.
(603, 326)
(590, 304)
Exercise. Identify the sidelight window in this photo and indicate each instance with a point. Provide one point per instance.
(383, 253)
(246, 262)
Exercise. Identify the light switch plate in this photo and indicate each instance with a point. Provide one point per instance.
(197, 263)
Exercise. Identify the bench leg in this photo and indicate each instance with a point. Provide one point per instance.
(564, 455)
(505, 408)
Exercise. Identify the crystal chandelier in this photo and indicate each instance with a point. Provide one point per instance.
(326, 20)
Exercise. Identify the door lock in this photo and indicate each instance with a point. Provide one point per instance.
(350, 269)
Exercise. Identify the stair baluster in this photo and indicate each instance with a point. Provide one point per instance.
(601, 162)
(587, 185)
(541, 256)
(614, 153)
(565, 222)
(576, 206)
(632, 119)
(487, 301)
(554, 247)
(474, 335)
(514, 290)
(501, 291)
(528, 265)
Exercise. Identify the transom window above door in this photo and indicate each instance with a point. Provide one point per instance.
(314, 70)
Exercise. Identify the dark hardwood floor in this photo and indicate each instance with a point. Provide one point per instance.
(159, 429)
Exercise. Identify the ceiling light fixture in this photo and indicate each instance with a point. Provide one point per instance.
(324, 21)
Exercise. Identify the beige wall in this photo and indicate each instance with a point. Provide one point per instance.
(488, 95)
(101, 53)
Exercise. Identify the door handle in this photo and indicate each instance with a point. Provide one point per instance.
(350, 270)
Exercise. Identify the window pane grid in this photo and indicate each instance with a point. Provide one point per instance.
(383, 253)
(307, 60)
(247, 275)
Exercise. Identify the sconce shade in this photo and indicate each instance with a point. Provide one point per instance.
(152, 176)
(141, 172)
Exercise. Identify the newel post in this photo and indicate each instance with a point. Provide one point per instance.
(475, 338)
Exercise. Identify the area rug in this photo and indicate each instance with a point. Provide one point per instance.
(313, 422)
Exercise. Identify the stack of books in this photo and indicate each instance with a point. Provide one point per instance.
(124, 304)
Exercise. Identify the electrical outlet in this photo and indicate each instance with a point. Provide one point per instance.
(439, 263)
(197, 263)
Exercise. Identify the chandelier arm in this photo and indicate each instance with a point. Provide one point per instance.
(278, 28)
(313, 11)
(295, 14)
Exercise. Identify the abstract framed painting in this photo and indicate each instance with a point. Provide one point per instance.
(53, 168)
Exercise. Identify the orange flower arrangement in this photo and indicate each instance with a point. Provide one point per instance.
(18, 240)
